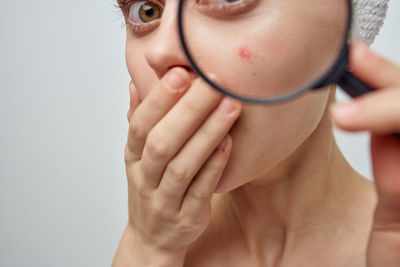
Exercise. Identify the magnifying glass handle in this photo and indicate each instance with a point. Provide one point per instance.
(355, 87)
(352, 85)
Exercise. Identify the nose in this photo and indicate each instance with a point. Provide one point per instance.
(164, 50)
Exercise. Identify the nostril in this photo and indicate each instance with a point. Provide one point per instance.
(191, 71)
(188, 68)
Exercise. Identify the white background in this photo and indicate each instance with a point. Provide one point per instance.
(63, 103)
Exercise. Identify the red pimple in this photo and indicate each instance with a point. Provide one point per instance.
(244, 52)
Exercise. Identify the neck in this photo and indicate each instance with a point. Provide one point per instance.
(300, 201)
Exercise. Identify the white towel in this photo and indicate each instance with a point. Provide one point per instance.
(368, 19)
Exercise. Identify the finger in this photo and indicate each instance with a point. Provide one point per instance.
(198, 197)
(373, 69)
(384, 244)
(191, 158)
(171, 133)
(134, 99)
(385, 151)
(154, 107)
(378, 112)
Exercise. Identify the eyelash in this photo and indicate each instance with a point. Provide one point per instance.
(225, 9)
(203, 6)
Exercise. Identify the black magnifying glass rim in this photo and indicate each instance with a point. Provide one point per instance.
(332, 75)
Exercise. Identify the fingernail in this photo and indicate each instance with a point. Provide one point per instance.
(366, 51)
(226, 106)
(176, 80)
(345, 110)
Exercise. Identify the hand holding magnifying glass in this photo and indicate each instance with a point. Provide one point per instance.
(379, 113)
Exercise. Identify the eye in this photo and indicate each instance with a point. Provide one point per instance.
(144, 11)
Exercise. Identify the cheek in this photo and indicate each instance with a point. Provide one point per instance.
(271, 49)
(242, 66)
(245, 53)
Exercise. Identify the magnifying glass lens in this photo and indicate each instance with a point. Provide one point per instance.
(264, 49)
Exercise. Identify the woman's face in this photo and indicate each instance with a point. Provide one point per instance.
(254, 45)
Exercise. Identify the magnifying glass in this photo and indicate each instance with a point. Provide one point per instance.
(269, 51)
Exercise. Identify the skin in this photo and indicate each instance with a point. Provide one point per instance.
(272, 32)
(287, 197)
(245, 53)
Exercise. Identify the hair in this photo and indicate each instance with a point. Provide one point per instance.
(368, 18)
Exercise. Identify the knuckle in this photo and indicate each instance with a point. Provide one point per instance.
(158, 210)
(140, 187)
(198, 222)
(137, 180)
(192, 107)
(192, 224)
(129, 159)
(130, 156)
(157, 148)
(177, 173)
(142, 198)
(198, 195)
(142, 193)
(187, 226)
(135, 130)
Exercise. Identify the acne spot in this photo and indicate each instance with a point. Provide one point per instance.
(245, 53)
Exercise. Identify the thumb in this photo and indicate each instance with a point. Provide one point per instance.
(384, 245)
